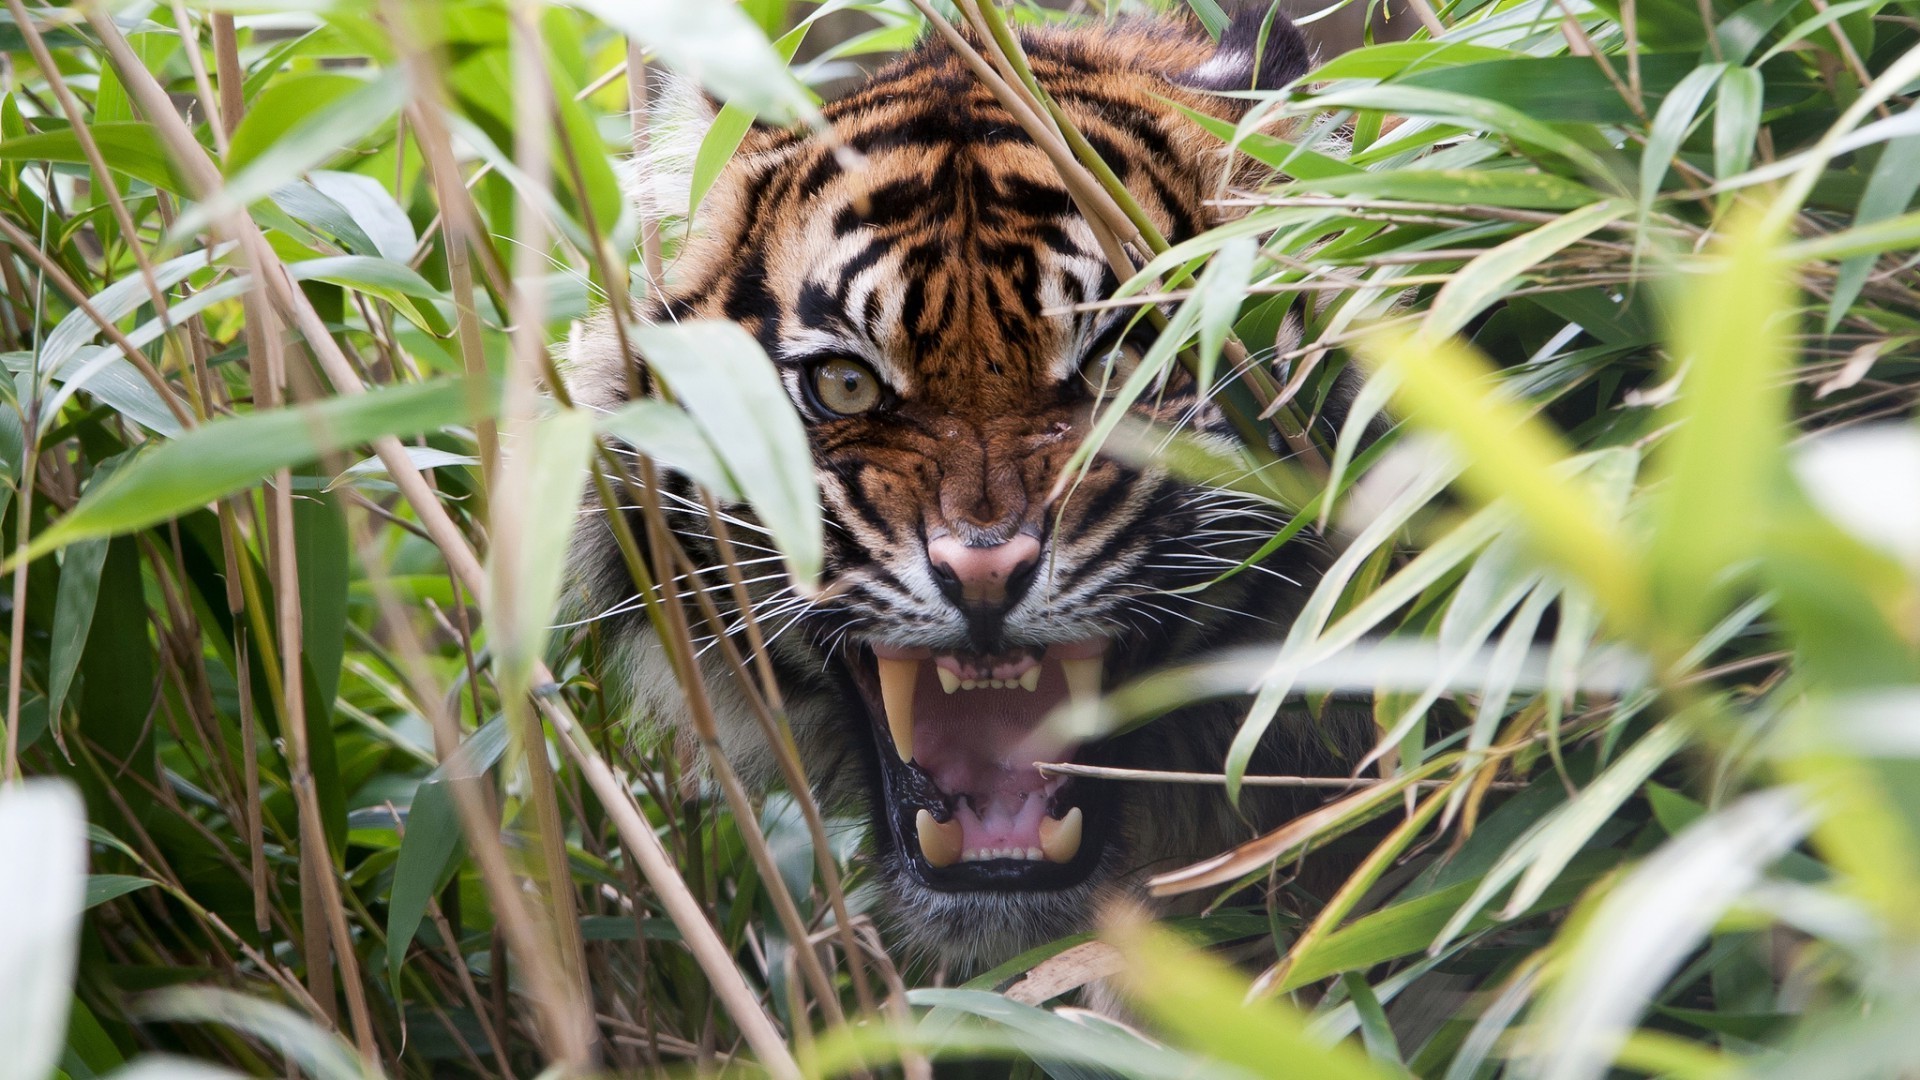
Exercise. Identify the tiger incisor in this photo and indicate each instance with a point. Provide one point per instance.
(914, 307)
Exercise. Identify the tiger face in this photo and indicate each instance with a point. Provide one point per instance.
(920, 311)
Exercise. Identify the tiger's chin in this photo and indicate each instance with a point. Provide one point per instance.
(984, 853)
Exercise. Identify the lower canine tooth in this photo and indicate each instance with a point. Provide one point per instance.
(1031, 679)
(948, 680)
(939, 844)
(1060, 840)
(897, 678)
(1083, 678)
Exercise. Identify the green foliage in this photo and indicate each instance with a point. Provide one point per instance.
(1633, 581)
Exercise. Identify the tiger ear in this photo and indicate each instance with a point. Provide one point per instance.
(659, 178)
(1260, 50)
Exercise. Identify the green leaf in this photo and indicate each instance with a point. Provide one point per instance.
(131, 149)
(721, 375)
(1671, 125)
(116, 302)
(395, 282)
(1220, 290)
(104, 887)
(1571, 89)
(312, 140)
(1736, 121)
(220, 458)
(430, 847)
(1404, 58)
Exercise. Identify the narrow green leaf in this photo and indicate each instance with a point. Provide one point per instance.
(1736, 121)
(724, 135)
(430, 847)
(220, 458)
(1671, 125)
(73, 617)
(1890, 189)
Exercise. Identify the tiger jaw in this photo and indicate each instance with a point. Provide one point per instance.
(959, 736)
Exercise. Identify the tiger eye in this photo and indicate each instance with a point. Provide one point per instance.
(846, 387)
(1106, 372)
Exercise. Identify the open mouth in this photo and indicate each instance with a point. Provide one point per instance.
(959, 735)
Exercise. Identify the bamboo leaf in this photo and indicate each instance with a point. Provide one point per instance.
(721, 375)
(220, 458)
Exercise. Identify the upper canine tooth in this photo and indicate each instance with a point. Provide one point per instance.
(948, 680)
(1030, 679)
(897, 679)
(1060, 840)
(1083, 677)
(939, 844)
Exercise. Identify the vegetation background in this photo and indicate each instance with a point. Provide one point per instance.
(1634, 583)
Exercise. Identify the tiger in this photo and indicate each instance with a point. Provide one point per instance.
(928, 313)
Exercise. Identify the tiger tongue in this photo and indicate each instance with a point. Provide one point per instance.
(979, 748)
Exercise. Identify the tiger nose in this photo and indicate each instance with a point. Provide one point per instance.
(983, 576)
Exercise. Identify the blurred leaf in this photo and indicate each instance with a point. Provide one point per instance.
(43, 866)
(1514, 458)
(1203, 1003)
(1895, 179)
(728, 129)
(316, 137)
(721, 375)
(535, 510)
(1730, 345)
(672, 438)
(716, 45)
(1736, 121)
(1647, 925)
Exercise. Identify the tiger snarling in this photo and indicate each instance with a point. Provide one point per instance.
(917, 309)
